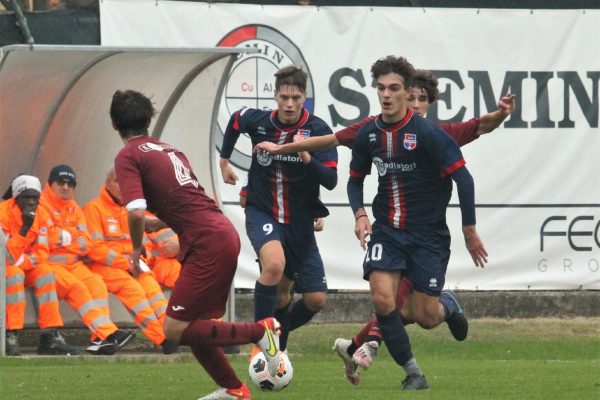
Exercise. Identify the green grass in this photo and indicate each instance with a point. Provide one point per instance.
(521, 359)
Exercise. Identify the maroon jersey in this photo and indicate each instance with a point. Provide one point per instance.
(461, 132)
(159, 173)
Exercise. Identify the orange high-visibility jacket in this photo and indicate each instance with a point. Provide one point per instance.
(154, 246)
(109, 230)
(24, 252)
(26, 257)
(66, 215)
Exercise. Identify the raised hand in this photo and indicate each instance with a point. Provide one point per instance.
(506, 105)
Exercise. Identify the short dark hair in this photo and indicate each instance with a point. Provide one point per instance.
(392, 64)
(423, 79)
(291, 75)
(131, 112)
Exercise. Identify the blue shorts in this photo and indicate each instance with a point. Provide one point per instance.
(297, 239)
(421, 256)
(312, 277)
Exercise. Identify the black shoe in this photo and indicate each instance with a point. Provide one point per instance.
(457, 322)
(52, 343)
(414, 382)
(169, 347)
(12, 344)
(120, 338)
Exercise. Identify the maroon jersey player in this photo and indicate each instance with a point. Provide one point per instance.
(157, 176)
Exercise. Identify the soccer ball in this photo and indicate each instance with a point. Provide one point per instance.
(259, 373)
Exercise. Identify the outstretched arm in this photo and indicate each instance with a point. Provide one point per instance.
(310, 144)
(491, 121)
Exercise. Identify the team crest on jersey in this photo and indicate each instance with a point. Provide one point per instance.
(305, 133)
(410, 141)
(265, 159)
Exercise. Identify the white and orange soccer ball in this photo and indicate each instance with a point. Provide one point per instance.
(259, 373)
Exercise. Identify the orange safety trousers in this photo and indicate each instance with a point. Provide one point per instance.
(142, 296)
(87, 294)
(42, 280)
(166, 270)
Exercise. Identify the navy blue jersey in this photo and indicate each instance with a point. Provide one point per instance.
(280, 185)
(413, 159)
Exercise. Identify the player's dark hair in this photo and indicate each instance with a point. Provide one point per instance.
(131, 112)
(392, 64)
(292, 76)
(423, 79)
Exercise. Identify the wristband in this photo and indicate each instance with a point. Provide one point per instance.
(360, 216)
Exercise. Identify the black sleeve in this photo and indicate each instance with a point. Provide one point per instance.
(466, 194)
(327, 177)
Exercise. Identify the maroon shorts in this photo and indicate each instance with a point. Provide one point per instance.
(202, 290)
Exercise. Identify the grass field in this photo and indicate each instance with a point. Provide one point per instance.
(519, 359)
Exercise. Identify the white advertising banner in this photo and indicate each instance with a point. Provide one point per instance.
(537, 177)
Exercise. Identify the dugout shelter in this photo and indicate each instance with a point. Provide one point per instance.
(54, 109)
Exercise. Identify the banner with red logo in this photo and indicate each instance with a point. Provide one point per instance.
(537, 177)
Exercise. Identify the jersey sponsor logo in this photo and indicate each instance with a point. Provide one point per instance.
(265, 159)
(433, 283)
(410, 141)
(177, 308)
(251, 82)
(261, 130)
(384, 166)
(287, 158)
(372, 137)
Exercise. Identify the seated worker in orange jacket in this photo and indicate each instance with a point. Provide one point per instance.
(25, 228)
(162, 247)
(110, 258)
(69, 242)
